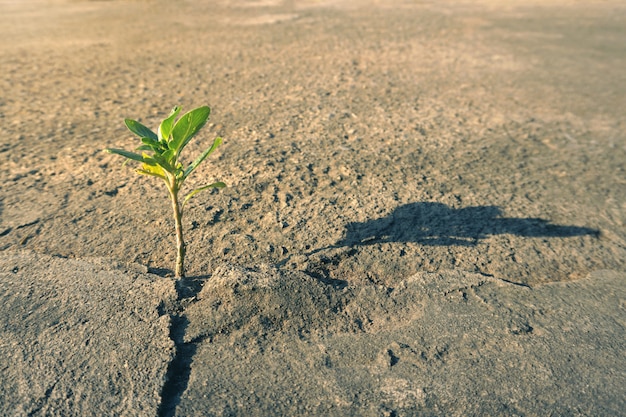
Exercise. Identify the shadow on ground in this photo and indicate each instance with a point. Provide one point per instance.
(436, 224)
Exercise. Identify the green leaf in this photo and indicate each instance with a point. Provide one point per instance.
(152, 174)
(139, 129)
(126, 154)
(197, 190)
(148, 160)
(169, 156)
(165, 129)
(164, 163)
(217, 142)
(150, 141)
(150, 144)
(155, 171)
(187, 126)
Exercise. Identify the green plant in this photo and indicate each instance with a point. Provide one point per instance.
(159, 158)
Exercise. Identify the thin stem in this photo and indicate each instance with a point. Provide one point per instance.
(180, 242)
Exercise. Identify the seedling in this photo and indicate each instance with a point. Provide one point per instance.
(159, 158)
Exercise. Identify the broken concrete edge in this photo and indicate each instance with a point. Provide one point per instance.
(174, 303)
(300, 334)
(82, 336)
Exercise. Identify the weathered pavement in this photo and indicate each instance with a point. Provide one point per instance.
(81, 337)
(89, 337)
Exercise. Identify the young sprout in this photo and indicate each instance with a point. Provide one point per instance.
(159, 158)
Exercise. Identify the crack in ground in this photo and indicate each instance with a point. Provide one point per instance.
(179, 369)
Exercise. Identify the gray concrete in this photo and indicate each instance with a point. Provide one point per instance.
(81, 338)
(446, 344)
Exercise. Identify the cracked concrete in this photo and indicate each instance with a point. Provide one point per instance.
(445, 344)
(89, 337)
(81, 337)
(440, 183)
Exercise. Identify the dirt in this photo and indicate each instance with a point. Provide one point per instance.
(370, 150)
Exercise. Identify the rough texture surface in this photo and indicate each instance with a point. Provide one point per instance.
(81, 337)
(478, 144)
(363, 141)
(444, 344)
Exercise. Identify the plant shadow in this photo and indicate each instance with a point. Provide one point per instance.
(436, 224)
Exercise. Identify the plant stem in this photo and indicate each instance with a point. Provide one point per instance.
(180, 242)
